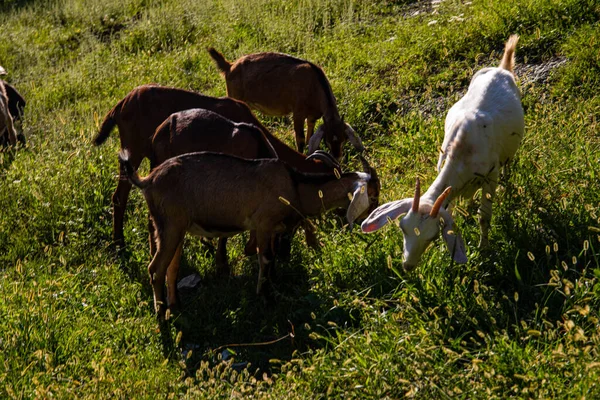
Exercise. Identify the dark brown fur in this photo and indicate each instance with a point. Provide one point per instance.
(6, 121)
(138, 115)
(225, 195)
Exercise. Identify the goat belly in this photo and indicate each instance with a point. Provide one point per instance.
(213, 231)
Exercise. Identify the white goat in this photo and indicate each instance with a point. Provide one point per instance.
(483, 131)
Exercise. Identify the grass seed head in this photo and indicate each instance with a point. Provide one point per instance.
(284, 200)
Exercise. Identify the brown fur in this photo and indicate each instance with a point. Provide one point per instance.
(138, 115)
(279, 84)
(225, 195)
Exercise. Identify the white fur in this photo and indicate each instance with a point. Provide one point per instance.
(483, 131)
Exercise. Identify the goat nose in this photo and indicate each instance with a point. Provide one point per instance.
(408, 267)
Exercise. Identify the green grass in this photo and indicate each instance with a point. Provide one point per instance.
(520, 320)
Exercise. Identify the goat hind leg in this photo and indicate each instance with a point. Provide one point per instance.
(172, 271)
(119, 201)
(168, 245)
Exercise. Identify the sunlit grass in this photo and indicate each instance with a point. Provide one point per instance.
(518, 320)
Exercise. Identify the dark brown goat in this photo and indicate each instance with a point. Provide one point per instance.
(16, 102)
(6, 121)
(139, 114)
(279, 84)
(203, 130)
(219, 195)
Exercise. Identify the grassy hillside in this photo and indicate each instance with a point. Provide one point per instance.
(519, 320)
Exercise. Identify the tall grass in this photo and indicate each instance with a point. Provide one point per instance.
(519, 320)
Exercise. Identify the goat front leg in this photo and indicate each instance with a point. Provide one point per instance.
(299, 131)
(221, 258)
(265, 261)
(310, 128)
(10, 129)
(488, 192)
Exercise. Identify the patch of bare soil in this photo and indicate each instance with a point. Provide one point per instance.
(529, 74)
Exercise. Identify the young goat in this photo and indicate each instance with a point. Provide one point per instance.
(218, 195)
(278, 84)
(6, 121)
(202, 130)
(483, 131)
(139, 114)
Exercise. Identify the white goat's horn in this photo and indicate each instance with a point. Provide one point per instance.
(415, 205)
(354, 139)
(438, 203)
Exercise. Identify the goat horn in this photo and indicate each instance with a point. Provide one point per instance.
(354, 138)
(415, 204)
(438, 203)
(325, 157)
(316, 138)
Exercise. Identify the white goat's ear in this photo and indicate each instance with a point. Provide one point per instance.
(2, 71)
(315, 139)
(455, 243)
(354, 139)
(358, 204)
(383, 214)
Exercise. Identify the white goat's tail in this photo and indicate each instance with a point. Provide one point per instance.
(508, 59)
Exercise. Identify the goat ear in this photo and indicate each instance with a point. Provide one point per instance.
(358, 204)
(316, 138)
(2, 71)
(455, 243)
(354, 139)
(383, 214)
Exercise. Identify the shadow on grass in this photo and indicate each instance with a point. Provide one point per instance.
(226, 314)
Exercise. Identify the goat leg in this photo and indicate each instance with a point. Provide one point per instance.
(485, 209)
(250, 248)
(10, 129)
(119, 200)
(299, 131)
(310, 234)
(172, 272)
(168, 243)
(265, 258)
(221, 258)
(310, 128)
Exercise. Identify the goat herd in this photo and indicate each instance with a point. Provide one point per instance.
(217, 171)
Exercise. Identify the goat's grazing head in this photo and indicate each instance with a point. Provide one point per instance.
(365, 196)
(335, 134)
(420, 226)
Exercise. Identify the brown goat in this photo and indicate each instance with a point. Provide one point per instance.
(219, 195)
(139, 114)
(6, 121)
(279, 84)
(203, 130)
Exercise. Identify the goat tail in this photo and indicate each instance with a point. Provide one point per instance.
(130, 172)
(222, 63)
(508, 59)
(108, 124)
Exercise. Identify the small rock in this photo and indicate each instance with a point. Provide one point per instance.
(190, 282)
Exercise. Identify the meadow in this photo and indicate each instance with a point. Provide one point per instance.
(521, 319)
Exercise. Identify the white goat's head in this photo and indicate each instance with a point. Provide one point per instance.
(420, 226)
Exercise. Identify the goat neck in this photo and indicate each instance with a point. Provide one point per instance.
(335, 192)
